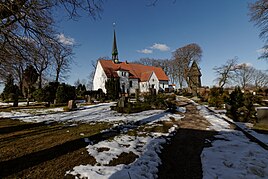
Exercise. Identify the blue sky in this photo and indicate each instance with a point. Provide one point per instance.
(220, 27)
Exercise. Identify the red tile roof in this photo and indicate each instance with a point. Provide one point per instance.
(138, 71)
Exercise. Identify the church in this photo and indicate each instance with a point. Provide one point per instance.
(131, 76)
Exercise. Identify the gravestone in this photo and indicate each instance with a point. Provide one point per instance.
(262, 114)
(137, 94)
(71, 104)
(89, 99)
(122, 102)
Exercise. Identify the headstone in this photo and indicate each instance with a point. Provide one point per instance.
(122, 102)
(15, 103)
(262, 115)
(71, 104)
(89, 99)
(137, 94)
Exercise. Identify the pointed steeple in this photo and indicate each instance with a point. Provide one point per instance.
(115, 51)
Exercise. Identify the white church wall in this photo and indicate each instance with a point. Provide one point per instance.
(163, 85)
(144, 87)
(135, 85)
(154, 82)
(99, 78)
(124, 82)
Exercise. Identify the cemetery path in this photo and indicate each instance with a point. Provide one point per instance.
(181, 157)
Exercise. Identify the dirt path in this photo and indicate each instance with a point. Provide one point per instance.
(181, 157)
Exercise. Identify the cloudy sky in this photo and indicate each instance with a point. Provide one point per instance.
(220, 27)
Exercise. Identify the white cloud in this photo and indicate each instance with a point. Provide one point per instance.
(244, 65)
(145, 51)
(65, 40)
(161, 47)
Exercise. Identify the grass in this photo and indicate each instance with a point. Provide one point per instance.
(159, 127)
(19, 140)
(56, 168)
(50, 149)
(261, 127)
(123, 158)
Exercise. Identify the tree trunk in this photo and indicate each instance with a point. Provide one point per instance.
(57, 75)
(28, 95)
(40, 82)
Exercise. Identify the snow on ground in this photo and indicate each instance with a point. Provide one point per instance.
(98, 112)
(232, 154)
(217, 123)
(24, 113)
(181, 109)
(245, 126)
(2, 104)
(145, 147)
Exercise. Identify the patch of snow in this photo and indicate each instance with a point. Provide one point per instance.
(3, 104)
(261, 137)
(98, 112)
(143, 167)
(263, 107)
(25, 113)
(247, 127)
(217, 123)
(145, 147)
(181, 109)
(232, 154)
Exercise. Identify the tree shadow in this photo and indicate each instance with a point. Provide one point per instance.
(11, 129)
(180, 158)
(24, 162)
(37, 131)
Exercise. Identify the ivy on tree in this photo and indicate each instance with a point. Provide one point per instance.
(11, 91)
(112, 86)
(30, 77)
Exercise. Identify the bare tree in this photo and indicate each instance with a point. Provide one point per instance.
(40, 58)
(147, 61)
(166, 64)
(33, 20)
(259, 15)
(13, 61)
(260, 79)
(62, 55)
(244, 75)
(183, 57)
(30, 76)
(90, 77)
(225, 73)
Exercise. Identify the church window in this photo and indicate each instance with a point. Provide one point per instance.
(130, 84)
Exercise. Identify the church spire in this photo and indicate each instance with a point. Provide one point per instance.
(114, 50)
